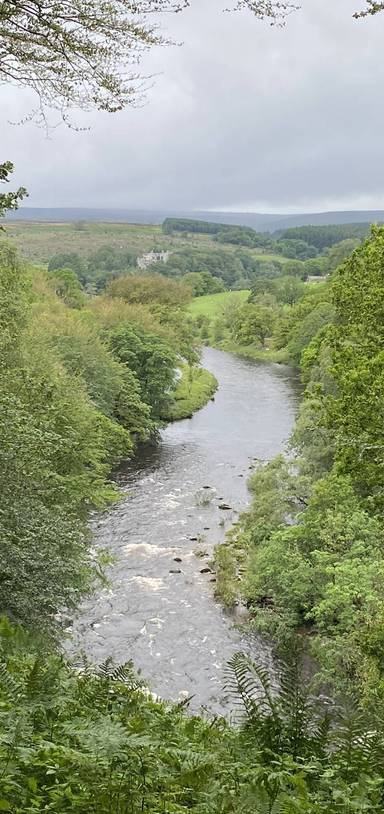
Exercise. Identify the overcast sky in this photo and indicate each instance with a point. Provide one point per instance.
(242, 117)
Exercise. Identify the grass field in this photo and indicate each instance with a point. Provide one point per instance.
(39, 241)
(212, 304)
(271, 257)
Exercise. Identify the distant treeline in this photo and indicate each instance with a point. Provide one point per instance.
(325, 236)
(300, 243)
(222, 232)
(202, 227)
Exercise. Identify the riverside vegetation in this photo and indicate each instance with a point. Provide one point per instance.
(308, 556)
(82, 382)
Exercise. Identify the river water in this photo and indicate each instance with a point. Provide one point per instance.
(159, 609)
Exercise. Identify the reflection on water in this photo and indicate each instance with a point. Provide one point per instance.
(159, 609)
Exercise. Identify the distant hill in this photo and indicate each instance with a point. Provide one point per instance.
(329, 218)
(258, 221)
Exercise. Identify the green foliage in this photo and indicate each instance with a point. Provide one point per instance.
(93, 739)
(252, 324)
(286, 289)
(311, 547)
(171, 225)
(153, 290)
(68, 288)
(9, 200)
(101, 266)
(166, 301)
(357, 365)
(244, 236)
(152, 361)
(318, 266)
(112, 387)
(202, 283)
(298, 326)
(70, 260)
(13, 313)
(220, 264)
(77, 391)
(372, 8)
(193, 390)
(323, 237)
(295, 248)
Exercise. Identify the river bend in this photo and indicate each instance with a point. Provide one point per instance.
(159, 609)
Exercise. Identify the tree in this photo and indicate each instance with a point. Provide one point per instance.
(253, 323)
(69, 260)
(340, 251)
(56, 449)
(85, 53)
(150, 289)
(372, 8)
(9, 200)
(276, 12)
(356, 344)
(261, 287)
(151, 359)
(272, 10)
(78, 53)
(68, 288)
(288, 289)
(202, 282)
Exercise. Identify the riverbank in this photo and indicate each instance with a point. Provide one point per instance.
(255, 353)
(210, 314)
(193, 391)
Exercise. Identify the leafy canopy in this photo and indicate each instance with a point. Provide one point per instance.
(9, 200)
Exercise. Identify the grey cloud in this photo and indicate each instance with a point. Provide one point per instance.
(241, 116)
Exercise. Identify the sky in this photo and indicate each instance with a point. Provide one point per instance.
(240, 117)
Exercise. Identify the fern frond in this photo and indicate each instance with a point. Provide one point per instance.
(252, 684)
(12, 688)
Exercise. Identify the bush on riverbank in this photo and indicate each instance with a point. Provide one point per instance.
(193, 391)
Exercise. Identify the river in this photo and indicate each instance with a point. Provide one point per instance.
(159, 609)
